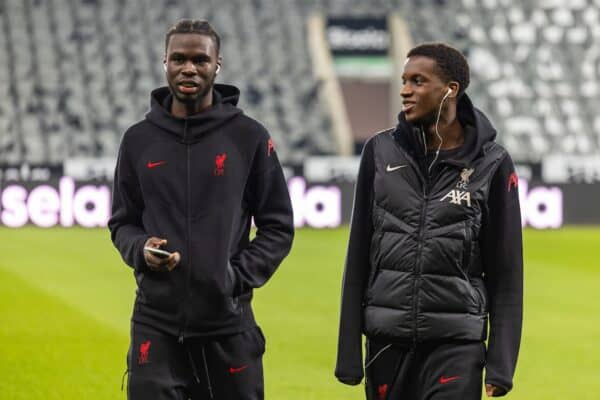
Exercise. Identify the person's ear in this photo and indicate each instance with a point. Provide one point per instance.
(219, 63)
(453, 88)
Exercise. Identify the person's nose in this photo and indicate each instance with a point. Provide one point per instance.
(189, 68)
(406, 90)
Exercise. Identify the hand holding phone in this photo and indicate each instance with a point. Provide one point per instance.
(159, 259)
(158, 252)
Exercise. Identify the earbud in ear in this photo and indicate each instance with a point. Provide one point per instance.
(165, 66)
(449, 92)
(218, 69)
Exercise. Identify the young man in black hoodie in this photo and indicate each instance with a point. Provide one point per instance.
(189, 179)
(435, 247)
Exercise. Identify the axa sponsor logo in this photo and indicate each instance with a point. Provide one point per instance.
(456, 196)
(460, 194)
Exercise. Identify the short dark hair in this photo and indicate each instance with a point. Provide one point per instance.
(198, 26)
(452, 64)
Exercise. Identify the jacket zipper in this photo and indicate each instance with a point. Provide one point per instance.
(189, 233)
(419, 261)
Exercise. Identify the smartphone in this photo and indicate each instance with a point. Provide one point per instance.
(158, 252)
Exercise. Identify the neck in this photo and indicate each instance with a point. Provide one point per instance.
(184, 109)
(449, 129)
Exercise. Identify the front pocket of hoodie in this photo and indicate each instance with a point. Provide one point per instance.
(212, 277)
(232, 285)
(212, 296)
(210, 307)
(158, 292)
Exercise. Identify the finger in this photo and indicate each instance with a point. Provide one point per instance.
(160, 264)
(152, 260)
(155, 242)
(173, 260)
(158, 243)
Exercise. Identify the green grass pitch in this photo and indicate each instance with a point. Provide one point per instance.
(66, 297)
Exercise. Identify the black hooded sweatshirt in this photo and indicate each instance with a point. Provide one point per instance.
(431, 308)
(198, 182)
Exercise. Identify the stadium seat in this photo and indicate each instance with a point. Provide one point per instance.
(534, 69)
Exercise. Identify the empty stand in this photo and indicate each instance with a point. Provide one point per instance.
(77, 73)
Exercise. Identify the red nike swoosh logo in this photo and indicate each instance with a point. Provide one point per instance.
(155, 164)
(236, 370)
(444, 380)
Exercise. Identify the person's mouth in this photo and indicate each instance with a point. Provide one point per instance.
(407, 106)
(188, 87)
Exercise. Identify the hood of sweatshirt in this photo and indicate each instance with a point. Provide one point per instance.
(477, 129)
(191, 129)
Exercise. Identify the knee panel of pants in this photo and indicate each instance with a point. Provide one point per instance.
(233, 365)
(156, 366)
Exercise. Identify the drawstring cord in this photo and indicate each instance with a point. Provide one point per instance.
(193, 364)
(206, 370)
(377, 355)
(195, 370)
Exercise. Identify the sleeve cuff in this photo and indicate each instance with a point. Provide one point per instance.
(503, 388)
(140, 262)
(349, 381)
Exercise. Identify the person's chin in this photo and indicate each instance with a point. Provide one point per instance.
(412, 117)
(419, 118)
(186, 98)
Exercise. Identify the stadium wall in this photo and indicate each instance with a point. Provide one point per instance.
(64, 201)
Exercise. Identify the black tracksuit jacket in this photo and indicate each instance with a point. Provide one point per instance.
(433, 253)
(198, 182)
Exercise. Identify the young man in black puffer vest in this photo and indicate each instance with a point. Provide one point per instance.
(435, 249)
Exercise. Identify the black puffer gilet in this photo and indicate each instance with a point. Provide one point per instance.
(426, 277)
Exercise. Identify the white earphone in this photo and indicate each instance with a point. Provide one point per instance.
(437, 133)
(165, 66)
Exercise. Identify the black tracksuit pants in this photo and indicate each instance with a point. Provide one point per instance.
(219, 368)
(433, 371)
